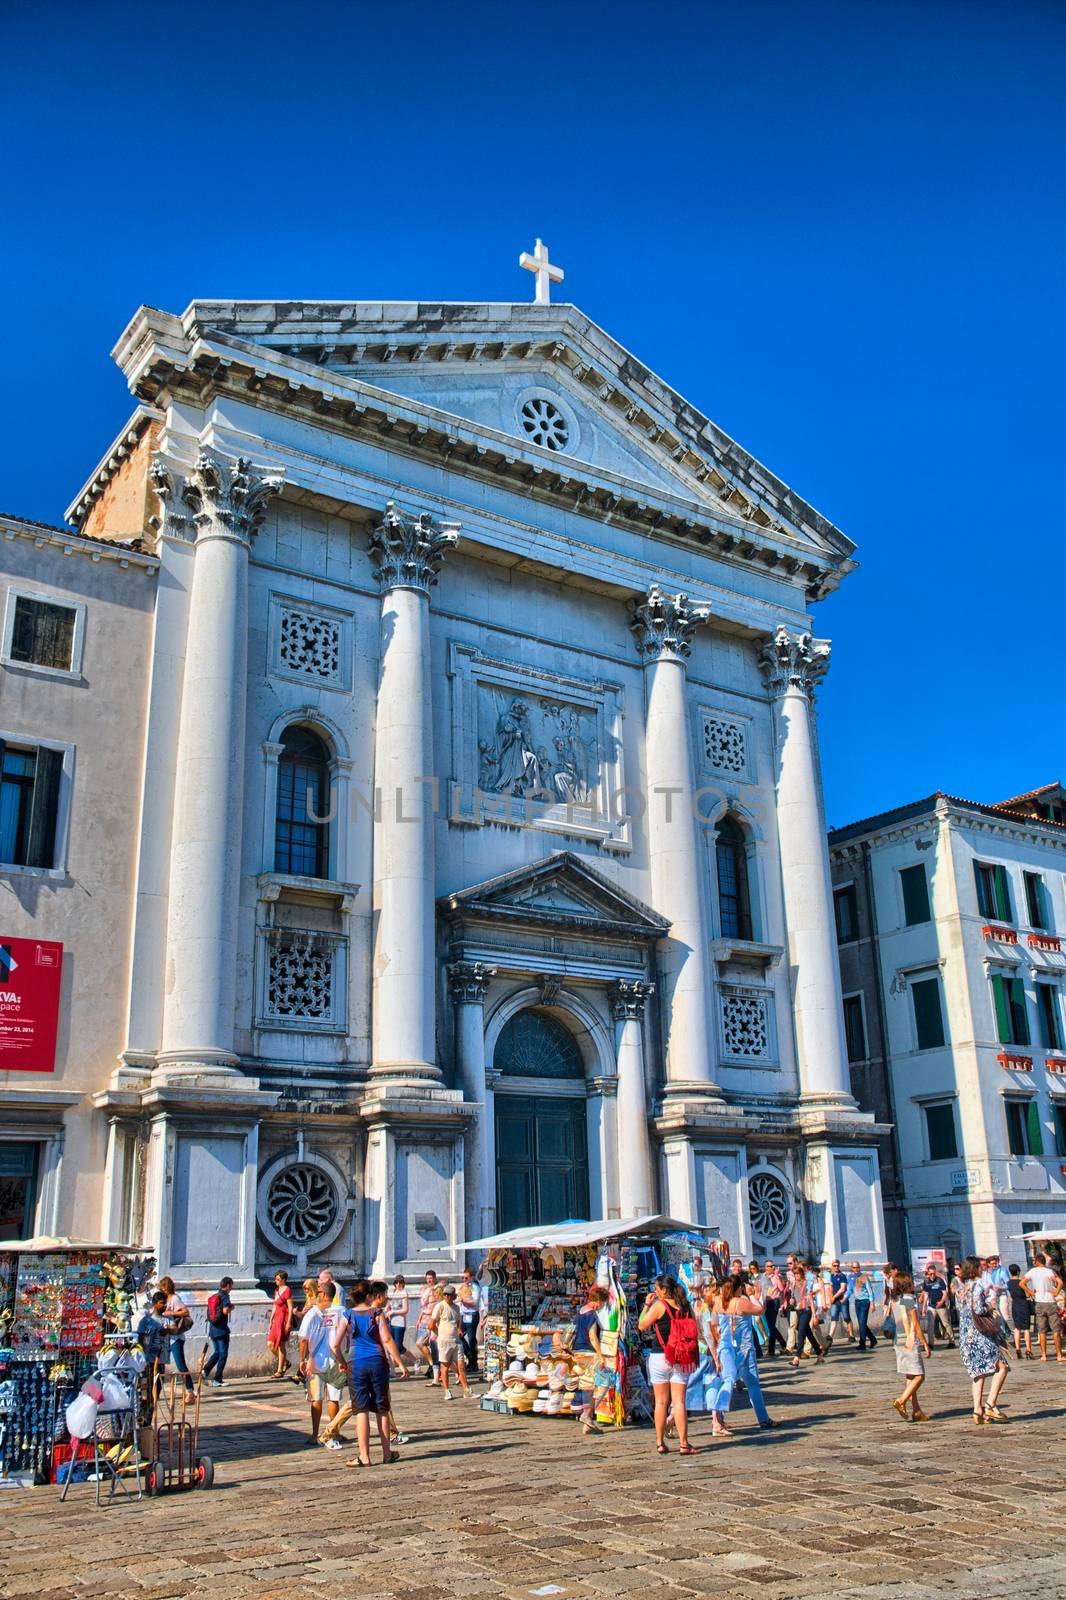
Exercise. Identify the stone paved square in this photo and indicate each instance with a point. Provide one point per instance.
(843, 1501)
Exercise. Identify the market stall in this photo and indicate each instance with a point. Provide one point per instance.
(60, 1298)
(537, 1278)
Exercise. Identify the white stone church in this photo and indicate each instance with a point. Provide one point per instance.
(438, 843)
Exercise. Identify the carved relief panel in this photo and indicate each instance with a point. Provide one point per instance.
(534, 748)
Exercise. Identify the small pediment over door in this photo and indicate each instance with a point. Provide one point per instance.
(561, 892)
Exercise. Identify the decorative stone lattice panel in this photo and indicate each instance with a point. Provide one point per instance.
(747, 1024)
(301, 979)
(724, 746)
(309, 646)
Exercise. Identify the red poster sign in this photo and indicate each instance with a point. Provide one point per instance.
(30, 975)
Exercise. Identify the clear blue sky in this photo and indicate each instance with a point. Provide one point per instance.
(839, 229)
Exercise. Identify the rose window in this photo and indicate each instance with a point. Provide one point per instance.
(544, 423)
(301, 1203)
(768, 1205)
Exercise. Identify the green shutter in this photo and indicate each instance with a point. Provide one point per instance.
(915, 895)
(999, 998)
(1043, 903)
(928, 1017)
(982, 889)
(1034, 1128)
(1019, 1015)
(1001, 893)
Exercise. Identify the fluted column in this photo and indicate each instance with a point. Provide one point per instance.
(467, 981)
(407, 552)
(663, 625)
(219, 505)
(793, 664)
(636, 1171)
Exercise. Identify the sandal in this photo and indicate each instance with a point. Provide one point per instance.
(900, 1406)
(979, 1416)
(357, 1461)
(994, 1414)
(688, 1450)
(661, 1450)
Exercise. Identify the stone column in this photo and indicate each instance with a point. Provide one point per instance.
(468, 981)
(219, 506)
(663, 625)
(407, 553)
(636, 1181)
(793, 663)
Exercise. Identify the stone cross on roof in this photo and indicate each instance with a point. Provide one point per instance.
(546, 271)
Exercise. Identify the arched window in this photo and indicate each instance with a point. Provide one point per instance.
(534, 1045)
(734, 898)
(301, 840)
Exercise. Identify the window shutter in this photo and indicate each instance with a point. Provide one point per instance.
(1043, 904)
(928, 1017)
(999, 999)
(41, 843)
(1002, 895)
(1018, 1014)
(1034, 1129)
(982, 891)
(915, 895)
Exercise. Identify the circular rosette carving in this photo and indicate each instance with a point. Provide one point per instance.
(301, 1203)
(769, 1205)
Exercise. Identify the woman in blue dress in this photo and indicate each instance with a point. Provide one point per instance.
(982, 1356)
(733, 1311)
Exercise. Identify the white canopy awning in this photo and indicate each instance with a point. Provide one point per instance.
(561, 1234)
(49, 1243)
(1042, 1233)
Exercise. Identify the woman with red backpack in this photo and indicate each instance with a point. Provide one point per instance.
(671, 1340)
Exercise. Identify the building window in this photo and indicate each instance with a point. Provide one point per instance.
(940, 1131)
(42, 633)
(846, 912)
(29, 804)
(533, 1044)
(993, 892)
(18, 1189)
(1008, 997)
(303, 980)
(1048, 1010)
(1025, 1136)
(1036, 902)
(915, 895)
(1060, 1132)
(734, 899)
(928, 1013)
(854, 1027)
(302, 831)
(747, 1033)
(544, 422)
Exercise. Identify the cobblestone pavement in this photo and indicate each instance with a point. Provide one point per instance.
(844, 1500)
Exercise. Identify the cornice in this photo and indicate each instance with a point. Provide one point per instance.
(157, 371)
(1048, 835)
(110, 462)
(71, 544)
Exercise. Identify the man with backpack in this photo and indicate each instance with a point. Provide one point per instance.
(219, 1310)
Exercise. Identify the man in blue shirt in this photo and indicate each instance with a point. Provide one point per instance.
(839, 1305)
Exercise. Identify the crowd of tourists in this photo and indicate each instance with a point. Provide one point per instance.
(704, 1340)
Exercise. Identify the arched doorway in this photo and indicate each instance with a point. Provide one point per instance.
(542, 1172)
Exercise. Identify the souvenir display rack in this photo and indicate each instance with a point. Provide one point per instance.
(59, 1300)
(535, 1290)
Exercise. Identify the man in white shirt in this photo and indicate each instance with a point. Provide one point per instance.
(1045, 1284)
(319, 1329)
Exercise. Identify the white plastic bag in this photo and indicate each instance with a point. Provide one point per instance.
(116, 1395)
(81, 1416)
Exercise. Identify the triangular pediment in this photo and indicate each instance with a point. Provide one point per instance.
(561, 890)
(485, 365)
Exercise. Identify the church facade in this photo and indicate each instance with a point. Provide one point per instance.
(476, 861)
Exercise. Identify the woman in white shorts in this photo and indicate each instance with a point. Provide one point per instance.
(668, 1378)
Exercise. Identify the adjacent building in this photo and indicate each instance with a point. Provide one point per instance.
(438, 843)
(950, 917)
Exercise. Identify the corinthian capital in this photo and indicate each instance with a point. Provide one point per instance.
(218, 495)
(628, 998)
(663, 624)
(407, 551)
(794, 661)
(468, 981)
